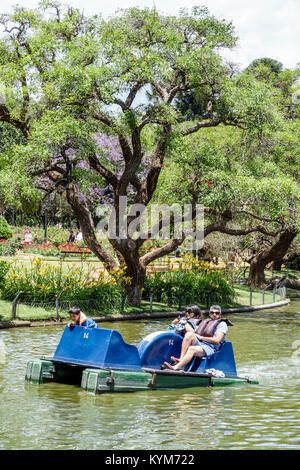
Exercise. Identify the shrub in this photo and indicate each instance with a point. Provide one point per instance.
(190, 286)
(4, 268)
(8, 247)
(5, 229)
(42, 282)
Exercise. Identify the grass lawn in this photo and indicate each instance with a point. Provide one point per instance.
(26, 260)
(25, 312)
(243, 296)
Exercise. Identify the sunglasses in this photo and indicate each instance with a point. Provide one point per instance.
(214, 312)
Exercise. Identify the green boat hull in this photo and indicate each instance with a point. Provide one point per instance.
(117, 380)
(102, 381)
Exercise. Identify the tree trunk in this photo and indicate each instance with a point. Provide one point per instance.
(257, 272)
(87, 227)
(135, 270)
(134, 287)
(276, 265)
(276, 252)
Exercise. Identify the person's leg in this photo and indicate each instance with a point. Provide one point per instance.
(190, 353)
(188, 341)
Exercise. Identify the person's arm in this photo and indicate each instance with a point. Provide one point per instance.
(189, 327)
(214, 339)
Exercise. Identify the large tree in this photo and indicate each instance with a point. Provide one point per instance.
(67, 79)
(242, 185)
(282, 149)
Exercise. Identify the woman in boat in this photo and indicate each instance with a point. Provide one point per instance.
(189, 322)
(205, 341)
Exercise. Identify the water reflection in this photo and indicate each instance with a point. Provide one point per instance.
(57, 416)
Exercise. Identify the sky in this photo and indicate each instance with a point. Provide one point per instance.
(266, 28)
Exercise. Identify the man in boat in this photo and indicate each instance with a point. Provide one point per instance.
(80, 319)
(208, 338)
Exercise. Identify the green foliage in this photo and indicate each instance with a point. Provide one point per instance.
(285, 83)
(231, 170)
(9, 136)
(265, 68)
(43, 282)
(189, 286)
(193, 281)
(66, 78)
(8, 247)
(4, 268)
(5, 230)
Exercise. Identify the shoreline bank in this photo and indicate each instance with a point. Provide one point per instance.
(138, 316)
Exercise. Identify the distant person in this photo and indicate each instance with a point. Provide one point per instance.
(80, 319)
(208, 338)
(78, 237)
(27, 237)
(178, 251)
(71, 238)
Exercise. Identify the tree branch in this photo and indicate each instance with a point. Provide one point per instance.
(162, 251)
(200, 125)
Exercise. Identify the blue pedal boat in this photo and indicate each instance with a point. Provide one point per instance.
(101, 361)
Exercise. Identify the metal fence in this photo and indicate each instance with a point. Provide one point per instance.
(95, 306)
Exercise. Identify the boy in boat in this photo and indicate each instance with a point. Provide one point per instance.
(80, 319)
(208, 338)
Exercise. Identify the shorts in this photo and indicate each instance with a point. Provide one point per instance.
(207, 348)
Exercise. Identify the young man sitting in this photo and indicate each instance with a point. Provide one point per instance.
(208, 338)
(80, 319)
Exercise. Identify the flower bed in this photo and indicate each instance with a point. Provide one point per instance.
(49, 249)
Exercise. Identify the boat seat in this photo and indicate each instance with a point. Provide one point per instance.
(158, 347)
(221, 360)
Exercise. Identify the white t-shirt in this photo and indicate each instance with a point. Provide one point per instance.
(28, 237)
(222, 328)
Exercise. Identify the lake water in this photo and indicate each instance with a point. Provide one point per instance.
(62, 417)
